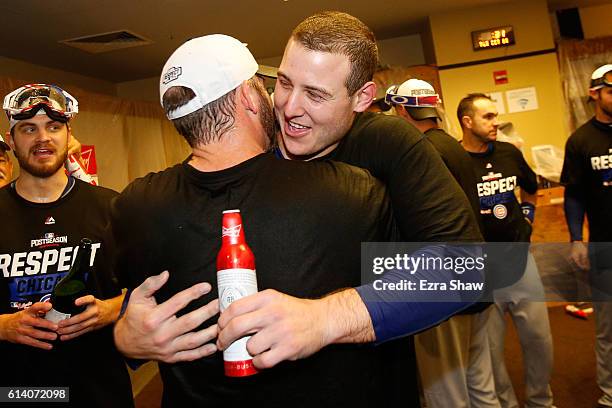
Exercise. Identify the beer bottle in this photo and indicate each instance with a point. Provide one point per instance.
(75, 169)
(72, 286)
(235, 279)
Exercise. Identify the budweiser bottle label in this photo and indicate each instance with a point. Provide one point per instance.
(234, 284)
(75, 169)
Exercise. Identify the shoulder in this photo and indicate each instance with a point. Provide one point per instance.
(584, 130)
(5, 192)
(383, 130)
(440, 137)
(329, 172)
(153, 183)
(146, 193)
(329, 180)
(101, 193)
(7, 199)
(583, 134)
(508, 149)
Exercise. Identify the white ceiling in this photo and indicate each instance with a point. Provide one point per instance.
(31, 29)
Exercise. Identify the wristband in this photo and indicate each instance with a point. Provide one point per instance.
(528, 211)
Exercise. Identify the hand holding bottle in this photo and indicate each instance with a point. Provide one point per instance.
(98, 313)
(29, 327)
(290, 328)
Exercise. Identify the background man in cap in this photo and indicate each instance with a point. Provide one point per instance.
(500, 167)
(43, 205)
(323, 88)
(6, 165)
(304, 223)
(456, 372)
(587, 176)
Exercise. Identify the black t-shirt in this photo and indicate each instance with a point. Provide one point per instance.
(588, 168)
(459, 164)
(428, 204)
(37, 246)
(304, 223)
(499, 171)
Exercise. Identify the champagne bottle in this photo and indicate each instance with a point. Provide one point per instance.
(72, 286)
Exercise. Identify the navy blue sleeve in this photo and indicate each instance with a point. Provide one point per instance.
(398, 313)
(574, 211)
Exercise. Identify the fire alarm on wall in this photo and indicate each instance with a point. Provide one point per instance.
(500, 77)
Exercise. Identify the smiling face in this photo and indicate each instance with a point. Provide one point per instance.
(311, 101)
(40, 145)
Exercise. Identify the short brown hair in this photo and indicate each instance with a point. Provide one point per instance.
(466, 105)
(341, 33)
(207, 124)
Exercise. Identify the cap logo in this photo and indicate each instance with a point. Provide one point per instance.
(172, 74)
(419, 92)
(232, 232)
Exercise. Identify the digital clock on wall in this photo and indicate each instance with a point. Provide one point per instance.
(493, 38)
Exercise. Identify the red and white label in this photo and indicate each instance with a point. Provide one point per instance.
(234, 284)
(232, 232)
(500, 77)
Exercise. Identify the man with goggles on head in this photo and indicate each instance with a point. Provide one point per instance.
(587, 176)
(31, 100)
(46, 214)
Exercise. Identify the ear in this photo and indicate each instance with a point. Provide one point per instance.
(247, 97)
(364, 96)
(466, 122)
(401, 110)
(594, 93)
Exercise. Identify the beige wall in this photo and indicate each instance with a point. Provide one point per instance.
(141, 90)
(596, 21)
(543, 126)
(452, 31)
(402, 51)
(530, 19)
(33, 73)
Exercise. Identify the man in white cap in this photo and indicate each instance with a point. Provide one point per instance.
(456, 372)
(47, 213)
(6, 165)
(587, 176)
(304, 222)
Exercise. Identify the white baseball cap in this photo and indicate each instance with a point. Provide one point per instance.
(600, 77)
(417, 96)
(211, 66)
